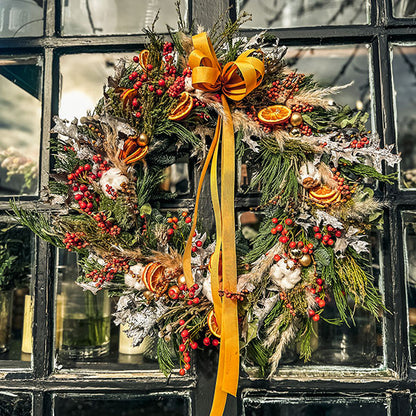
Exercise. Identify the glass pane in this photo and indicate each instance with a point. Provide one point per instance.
(85, 331)
(296, 13)
(337, 66)
(404, 77)
(404, 8)
(16, 305)
(20, 116)
(335, 406)
(21, 18)
(15, 404)
(410, 255)
(102, 17)
(149, 405)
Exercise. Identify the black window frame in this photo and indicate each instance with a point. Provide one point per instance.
(396, 383)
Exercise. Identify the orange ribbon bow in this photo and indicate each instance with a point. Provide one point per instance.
(235, 80)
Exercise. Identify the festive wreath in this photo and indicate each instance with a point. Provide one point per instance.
(315, 164)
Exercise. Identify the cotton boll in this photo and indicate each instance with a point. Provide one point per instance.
(112, 178)
(283, 276)
(133, 279)
(309, 176)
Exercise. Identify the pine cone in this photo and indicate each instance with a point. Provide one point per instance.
(310, 183)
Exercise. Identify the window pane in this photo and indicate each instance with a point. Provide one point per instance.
(16, 305)
(21, 18)
(404, 79)
(150, 405)
(20, 115)
(410, 256)
(85, 331)
(102, 17)
(15, 404)
(404, 8)
(337, 66)
(335, 406)
(296, 13)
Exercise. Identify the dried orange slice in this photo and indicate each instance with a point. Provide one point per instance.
(127, 96)
(182, 108)
(144, 58)
(323, 192)
(213, 324)
(325, 195)
(146, 274)
(275, 114)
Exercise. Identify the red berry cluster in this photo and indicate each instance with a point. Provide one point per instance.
(184, 348)
(305, 130)
(298, 108)
(75, 240)
(111, 191)
(177, 87)
(344, 189)
(69, 148)
(361, 142)
(106, 225)
(281, 90)
(329, 237)
(106, 274)
(102, 165)
(188, 294)
(283, 296)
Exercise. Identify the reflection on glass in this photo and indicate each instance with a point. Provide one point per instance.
(335, 406)
(249, 225)
(85, 318)
(21, 18)
(177, 179)
(83, 78)
(15, 267)
(337, 66)
(102, 17)
(149, 405)
(410, 254)
(296, 13)
(20, 115)
(358, 345)
(404, 8)
(404, 77)
(84, 328)
(15, 404)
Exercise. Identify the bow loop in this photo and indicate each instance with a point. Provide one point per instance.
(235, 80)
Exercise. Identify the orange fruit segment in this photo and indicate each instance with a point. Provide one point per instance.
(213, 324)
(275, 114)
(182, 108)
(325, 195)
(144, 58)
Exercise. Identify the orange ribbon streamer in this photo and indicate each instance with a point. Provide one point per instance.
(235, 80)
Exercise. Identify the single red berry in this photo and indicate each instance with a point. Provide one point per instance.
(170, 231)
(321, 303)
(199, 243)
(206, 341)
(288, 221)
(318, 236)
(330, 228)
(215, 342)
(184, 333)
(77, 197)
(273, 231)
(338, 233)
(159, 91)
(182, 347)
(310, 246)
(276, 257)
(331, 242)
(182, 321)
(194, 345)
(300, 244)
(149, 67)
(187, 359)
(136, 59)
(187, 366)
(161, 82)
(182, 371)
(316, 229)
(305, 250)
(292, 244)
(319, 281)
(196, 301)
(311, 312)
(275, 220)
(188, 220)
(279, 227)
(316, 318)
